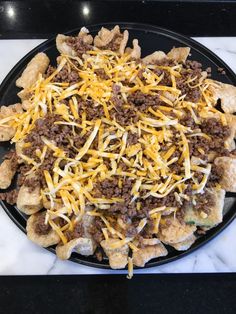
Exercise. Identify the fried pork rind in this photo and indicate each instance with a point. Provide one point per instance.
(66, 49)
(6, 174)
(24, 95)
(154, 57)
(83, 246)
(135, 53)
(228, 166)
(226, 93)
(105, 36)
(184, 245)
(174, 232)
(231, 123)
(43, 240)
(118, 258)
(7, 111)
(143, 255)
(19, 150)
(63, 47)
(87, 38)
(7, 132)
(230, 142)
(179, 54)
(87, 222)
(29, 202)
(216, 211)
(36, 66)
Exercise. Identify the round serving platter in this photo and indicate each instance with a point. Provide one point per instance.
(150, 38)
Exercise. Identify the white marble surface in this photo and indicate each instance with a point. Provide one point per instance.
(18, 256)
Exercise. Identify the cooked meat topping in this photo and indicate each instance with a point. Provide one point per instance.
(40, 227)
(77, 232)
(10, 197)
(77, 43)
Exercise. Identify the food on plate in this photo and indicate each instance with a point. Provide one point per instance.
(118, 155)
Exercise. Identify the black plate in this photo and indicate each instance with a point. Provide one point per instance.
(151, 38)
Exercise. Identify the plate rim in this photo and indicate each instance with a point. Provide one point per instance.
(200, 48)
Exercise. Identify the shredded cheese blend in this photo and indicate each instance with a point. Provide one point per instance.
(162, 141)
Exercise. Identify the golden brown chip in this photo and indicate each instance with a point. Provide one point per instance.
(6, 174)
(118, 258)
(105, 36)
(215, 215)
(29, 202)
(153, 57)
(230, 142)
(7, 111)
(36, 66)
(83, 246)
(43, 240)
(135, 53)
(6, 133)
(24, 95)
(174, 232)
(179, 54)
(124, 42)
(228, 166)
(87, 38)
(184, 245)
(226, 93)
(62, 46)
(19, 150)
(142, 256)
(152, 241)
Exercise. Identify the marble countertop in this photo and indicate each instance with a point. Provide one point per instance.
(18, 256)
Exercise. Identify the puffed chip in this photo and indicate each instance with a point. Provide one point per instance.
(6, 173)
(83, 246)
(29, 202)
(134, 52)
(184, 245)
(36, 66)
(7, 111)
(154, 57)
(63, 47)
(152, 241)
(43, 240)
(87, 38)
(124, 42)
(118, 258)
(143, 255)
(175, 231)
(179, 54)
(228, 167)
(19, 150)
(226, 93)
(105, 36)
(215, 215)
(6, 133)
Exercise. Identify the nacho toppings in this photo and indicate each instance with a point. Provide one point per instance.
(127, 142)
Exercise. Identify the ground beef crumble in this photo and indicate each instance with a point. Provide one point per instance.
(40, 227)
(10, 197)
(78, 45)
